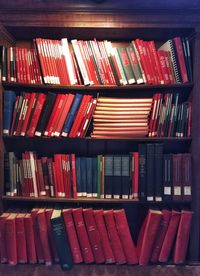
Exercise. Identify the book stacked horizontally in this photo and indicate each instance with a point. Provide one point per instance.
(121, 117)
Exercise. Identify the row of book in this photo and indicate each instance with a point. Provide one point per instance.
(148, 174)
(36, 114)
(93, 62)
(69, 115)
(73, 236)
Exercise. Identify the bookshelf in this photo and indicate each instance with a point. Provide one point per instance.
(19, 27)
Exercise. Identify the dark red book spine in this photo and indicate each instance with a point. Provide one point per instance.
(94, 237)
(11, 241)
(72, 236)
(82, 235)
(3, 249)
(125, 236)
(30, 240)
(21, 239)
(114, 237)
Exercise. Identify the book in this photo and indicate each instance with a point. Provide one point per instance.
(4, 254)
(167, 176)
(142, 171)
(125, 179)
(158, 159)
(9, 98)
(30, 240)
(150, 172)
(117, 176)
(181, 60)
(177, 176)
(61, 240)
(21, 239)
(11, 241)
(108, 176)
(186, 177)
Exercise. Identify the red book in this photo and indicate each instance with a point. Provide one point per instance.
(163, 65)
(125, 236)
(135, 175)
(38, 244)
(11, 241)
(186, 176)
(43, 230)
(21, 239)
(59, 175)
(41, 59)
(3, 248)
(182, 238)
(36, 114)
(169, 237)
(30, 240)
(181, 59)
(114, 237)
(42, 191)
(169, 67)
(108, 253)
(82, 235)
(156, 61)
(161, 235)
(93, 234)
(72, 236)
(147, 236)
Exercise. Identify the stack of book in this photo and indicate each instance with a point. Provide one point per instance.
(47, 236)
(93, 62)
(149, 174)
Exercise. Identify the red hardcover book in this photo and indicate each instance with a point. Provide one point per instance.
(182, 237)
(37, 241)
(161, 235)
(177, 176)
(156, 61)
(114, 237)
(59, 175)
(41, 59)
(54, 254)
(186, 177)
(135, 175)
(72, 236)
(42, 191)
(125, 236)
(11, 241)
(163, 65)
(93, 235)
(73, 174)
(43, 230)
(63, 116)
(169, 237)
(169, 67)
(150, 62)
(181, 59)
(36, 114)
(82, 235)
(147, 236)
(79, 116)
(3, 248)
(21, 239)
(30, 240)
(100, 223)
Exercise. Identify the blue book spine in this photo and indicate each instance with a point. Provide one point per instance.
(94, 177)
(72, 114)
(78, 176)
(89, 176)
(8, 105)
(83, 176)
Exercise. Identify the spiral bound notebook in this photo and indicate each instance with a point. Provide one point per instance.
(169, 46)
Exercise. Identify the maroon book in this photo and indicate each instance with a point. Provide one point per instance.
(125, 236)
(11, 241)
(30, 240)
(161, 235)
(114, 237)
(182, 238)
(82, 235)
(147, 236)
(21, 239)
(3, 249)
(169, 237)
(93, 235)
(72, 236)
(100, 223)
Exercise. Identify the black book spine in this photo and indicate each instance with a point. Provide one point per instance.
(167, 176)
(108, 176)
(142, 171)
(126, 183)
(117, 173)
(89, 176)
(7, 176)
(4, 63)
(62, 243)
(150, 171)
(78, 176)
(158, 172)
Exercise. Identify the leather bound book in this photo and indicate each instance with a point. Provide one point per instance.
(150, 186)
(117, 176)
(125, 236)
(114, 237)
(108, 176)
(158, 172)
(9, 98)
(105, 243)
(89, 176)
(72, 236)
(21, 239)
(30, 239)
(93, 235)
(167, 176)
(177, 176)
(125, 179)
(142, 171)
(182, 237)
(85, 246)
(147, 236)
(3, 248)
(135, 174)
(166, 215)
(186, 177)
(170, 237)
(11, 240)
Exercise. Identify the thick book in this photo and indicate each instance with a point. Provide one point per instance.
(83, 238)
(186, 177)
(142, 171)
(177, 176)
(93, 235)
(104, 238)
(170, 236)
(61, 240)
(125, 176)
(3, 250)
(182, 237)
(135, 174)
(147, 236)
(158, 159)
(30, 239)
(72, 236)
(117, 176)
(167, 176)
(114, 237)
(9, 98)
(21, 239)
(108, 176)
(150, 183)
(166, 215)
(125, 236)
(11, 240)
